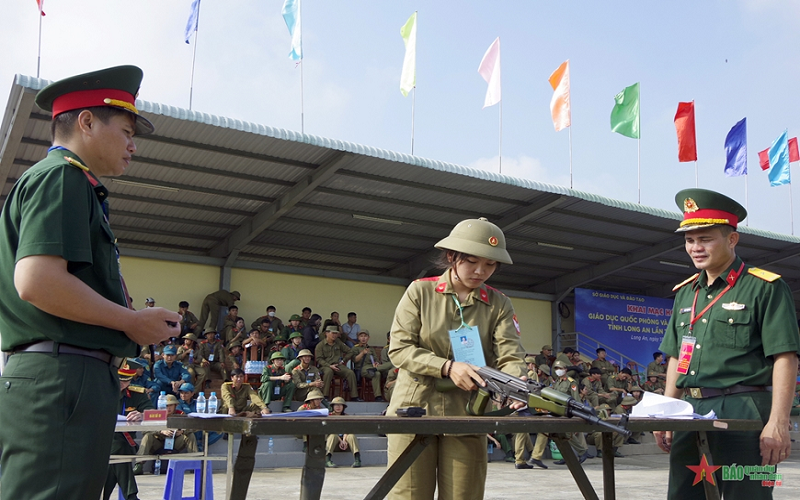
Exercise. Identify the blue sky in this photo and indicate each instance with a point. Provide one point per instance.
(735, 58)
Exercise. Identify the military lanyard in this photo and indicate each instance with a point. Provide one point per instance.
(731, 279)
(460, 313)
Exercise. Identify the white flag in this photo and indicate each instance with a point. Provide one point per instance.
(490, 71)
(408, 79)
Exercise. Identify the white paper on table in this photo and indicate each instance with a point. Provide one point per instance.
(122, 418)
(656, 405)
(210, 415)
(322, 412)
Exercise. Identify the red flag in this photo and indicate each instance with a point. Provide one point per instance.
(763, 159)
(40, 4)
(794, 153)
(684, 126)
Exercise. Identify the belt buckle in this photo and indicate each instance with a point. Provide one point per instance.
(696, 392)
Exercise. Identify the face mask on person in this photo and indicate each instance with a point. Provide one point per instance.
(271, 314)
(561, 373)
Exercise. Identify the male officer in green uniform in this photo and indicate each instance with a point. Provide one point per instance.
(276, 382)
(56, 245)
(132, 402)
(732, 334)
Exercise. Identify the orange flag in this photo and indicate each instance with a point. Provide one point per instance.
(559, 104)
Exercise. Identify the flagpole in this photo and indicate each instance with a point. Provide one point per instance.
(413, 104)
(791, 206)
(500, 156)
(746, 202)
(302, 91)
(639, 166)
(696, 176)
(39, 55)
(570, 151)
(194, 56)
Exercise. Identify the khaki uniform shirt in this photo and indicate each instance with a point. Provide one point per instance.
(568, 386)
(605, 366)
(327, 355)
(237, 398)
(302, 378)
(420, 343)
(653, 387)
(366, 361)
(654, 367)
(735, 339)
(205, 350)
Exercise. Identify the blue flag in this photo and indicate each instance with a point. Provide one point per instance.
(291, 14)
(736, 150)
(779, 172)
(194, 17)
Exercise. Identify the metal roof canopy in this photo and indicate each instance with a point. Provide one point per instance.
(219, 191)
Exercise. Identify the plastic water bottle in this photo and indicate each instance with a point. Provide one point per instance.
(212, 403)
(162, 400)
(191, 357)
(271, 446)
(157, 468)
(201, 403)
(795, 426)
(491, 449)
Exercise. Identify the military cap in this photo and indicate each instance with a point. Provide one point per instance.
(477, 237)
(629, 401)
(314, 394)
(170, 349)
(636, 388)
(704, 208)
(186, 387)
(304, 352)
(237, 295)
(530, 359)
(603, 406)
(148, 300)
(545, 369)
(652, 374)
(140, 361)
(559, 364)
(126, 373)
(547, 347)
(295, 317)
(233, 344)
(332, 328)
(210, 329)
(364, 331)
(294, 335)
(338, 400)
(171, 399)
(277, 355)
(190, 336)
(115, 87)
(135, 363)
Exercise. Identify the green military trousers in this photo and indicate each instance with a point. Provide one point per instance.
(457, 464)
(276, 390)
(727, 448)
(57, 413)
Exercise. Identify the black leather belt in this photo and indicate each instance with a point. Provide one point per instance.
(705, 392)
(47, 346)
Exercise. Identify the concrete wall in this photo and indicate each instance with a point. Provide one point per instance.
(170, 282)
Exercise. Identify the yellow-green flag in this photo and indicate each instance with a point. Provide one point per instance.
(408, 79)
(625, 115)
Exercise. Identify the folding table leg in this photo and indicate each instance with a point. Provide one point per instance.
(712, 492)
(609, 487)
(314, 468)
(399, 467)
(574, 466)
(243, 468)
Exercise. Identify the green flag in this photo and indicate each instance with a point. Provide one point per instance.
(408, 79)
(625, 115)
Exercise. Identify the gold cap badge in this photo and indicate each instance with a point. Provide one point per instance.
(493, 241)
(689, 205)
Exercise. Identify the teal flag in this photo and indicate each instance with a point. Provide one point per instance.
(779, 172)
(291, 14)
(625, 115)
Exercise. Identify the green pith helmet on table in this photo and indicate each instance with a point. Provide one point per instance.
(115, 87)
(705, 208)
(477, 237)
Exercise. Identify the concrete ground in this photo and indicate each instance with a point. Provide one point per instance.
(642, 477)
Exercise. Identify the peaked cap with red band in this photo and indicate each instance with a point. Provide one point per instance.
(704, 208)
(114, 87)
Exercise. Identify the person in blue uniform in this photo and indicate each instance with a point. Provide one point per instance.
(170, 374)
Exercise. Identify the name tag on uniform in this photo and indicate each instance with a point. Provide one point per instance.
(467, 347)
(169, 443)
(686, 310)
(685, 356)
(210, 358)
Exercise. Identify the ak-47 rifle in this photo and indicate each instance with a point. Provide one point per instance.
(505, 387)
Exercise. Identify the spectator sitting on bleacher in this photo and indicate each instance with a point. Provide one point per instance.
(334, 320)
(306, 316)
(170, 374)
(365, 363)
(229, 323)
(605, 366)
(568, 385)
(292, 350)
(624, 408)
(236, 394)
(142, 377)
(657, 366)
(234, 359)
(186, 355)
(276, 382)
(565, 356)
(597, 394)
(621, 384)
(637, 392)
(341, 442)
(275, 322)
(543, 358)
(386, 364)
(236, 334)
(188, 320)
(350, 330)
(653, 384)
(583, 371)
(211, 355)
(388, 387)
(166, 441)
(187, 403)
(266, 333)
(254, 342)
(311, 335)
(293, 326)
(313, 401)
(530, 362)
(306, 376)
(332, 357)
(543, 372)
(596, 438)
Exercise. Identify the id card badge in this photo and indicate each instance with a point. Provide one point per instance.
(685, 356)
(467, 347)
(210, 358)
(169, 443)
(277, 391)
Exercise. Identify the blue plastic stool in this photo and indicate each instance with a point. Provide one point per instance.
(173, 489)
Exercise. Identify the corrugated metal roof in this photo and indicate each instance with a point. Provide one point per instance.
(207, 185)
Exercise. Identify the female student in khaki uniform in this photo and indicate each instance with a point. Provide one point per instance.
(420, 348)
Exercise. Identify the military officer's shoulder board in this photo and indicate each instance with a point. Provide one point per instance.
(763, 274)
(136, 388)
(429, 278)
(495, 290)
(685, 282)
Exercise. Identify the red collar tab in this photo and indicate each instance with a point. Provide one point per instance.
(484, 295)
(441, 287)
(733, 276)
(91, 98)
